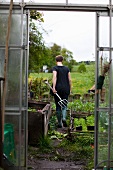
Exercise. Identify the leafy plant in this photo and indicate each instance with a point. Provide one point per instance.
(55, 134)
(80, 122)
(80, 106)
(44, 143)
(32, 109)
(52, 123)
(90, 120)
(38, 86)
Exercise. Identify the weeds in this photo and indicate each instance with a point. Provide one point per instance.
(44, 144)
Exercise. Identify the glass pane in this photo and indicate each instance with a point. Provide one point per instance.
(103, 136)
(11, 145)
(111, 149)
(15, 29)
(112, 79)
(104, 94)
(23, 137)
(112, 32)
(2, 54)
(3, 28)
(104, 32)
(25, 38)
(13, 79)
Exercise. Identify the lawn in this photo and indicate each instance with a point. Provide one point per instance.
(81, 82)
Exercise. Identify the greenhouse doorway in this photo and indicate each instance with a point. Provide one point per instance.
(17, 75)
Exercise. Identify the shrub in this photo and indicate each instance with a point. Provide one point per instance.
(82, 68)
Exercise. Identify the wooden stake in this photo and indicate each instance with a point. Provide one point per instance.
(5, 66)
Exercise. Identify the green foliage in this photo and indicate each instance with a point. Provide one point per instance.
(90, 120)
(56, 135)
(84, 140)
(68, 58)
(103, 121)
(80, 122)
(38, 87)
(57, 50)
(82, 68)
(37, 48)
(89, 74)
(81, 83)
(80, 106)
(36, 15)
(52, 123)
(44, 143)
(32, 110)
(38, 52)
(80, 147)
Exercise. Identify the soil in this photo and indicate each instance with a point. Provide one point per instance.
(46, 161)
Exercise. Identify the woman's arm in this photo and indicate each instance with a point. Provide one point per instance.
(69, 77)
(54, 81)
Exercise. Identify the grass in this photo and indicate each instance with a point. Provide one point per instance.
(81, 82)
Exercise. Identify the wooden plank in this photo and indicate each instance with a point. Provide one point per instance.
(5, 66)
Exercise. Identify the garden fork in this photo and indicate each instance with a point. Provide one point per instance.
(62, 102)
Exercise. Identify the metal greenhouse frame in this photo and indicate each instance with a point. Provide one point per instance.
(14, 51)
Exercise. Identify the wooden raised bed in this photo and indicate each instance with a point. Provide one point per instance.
(38, 121)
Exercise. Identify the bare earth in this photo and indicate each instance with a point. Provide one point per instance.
(45, 162)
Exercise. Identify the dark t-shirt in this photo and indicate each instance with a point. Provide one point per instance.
(100, 82)
(62, 83)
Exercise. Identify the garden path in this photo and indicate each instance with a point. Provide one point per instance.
(44, 162)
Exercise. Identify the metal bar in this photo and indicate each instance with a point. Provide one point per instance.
(1, 130)
(13, 114)
(20, 95)
(104, 109)
(16, 47)
(66, 2)
(104, 48)
(110, 85)
(96, 96)
(16, 109)
(26, 68)
(58, 7)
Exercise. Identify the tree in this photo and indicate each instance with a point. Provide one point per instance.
(57, 50)
(68, 58)
(38, 51)
(39, 54)
(54, 51)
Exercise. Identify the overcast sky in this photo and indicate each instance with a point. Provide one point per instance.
(75, 31)
(72, 30)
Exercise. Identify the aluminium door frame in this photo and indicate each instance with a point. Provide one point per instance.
(100, 10)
